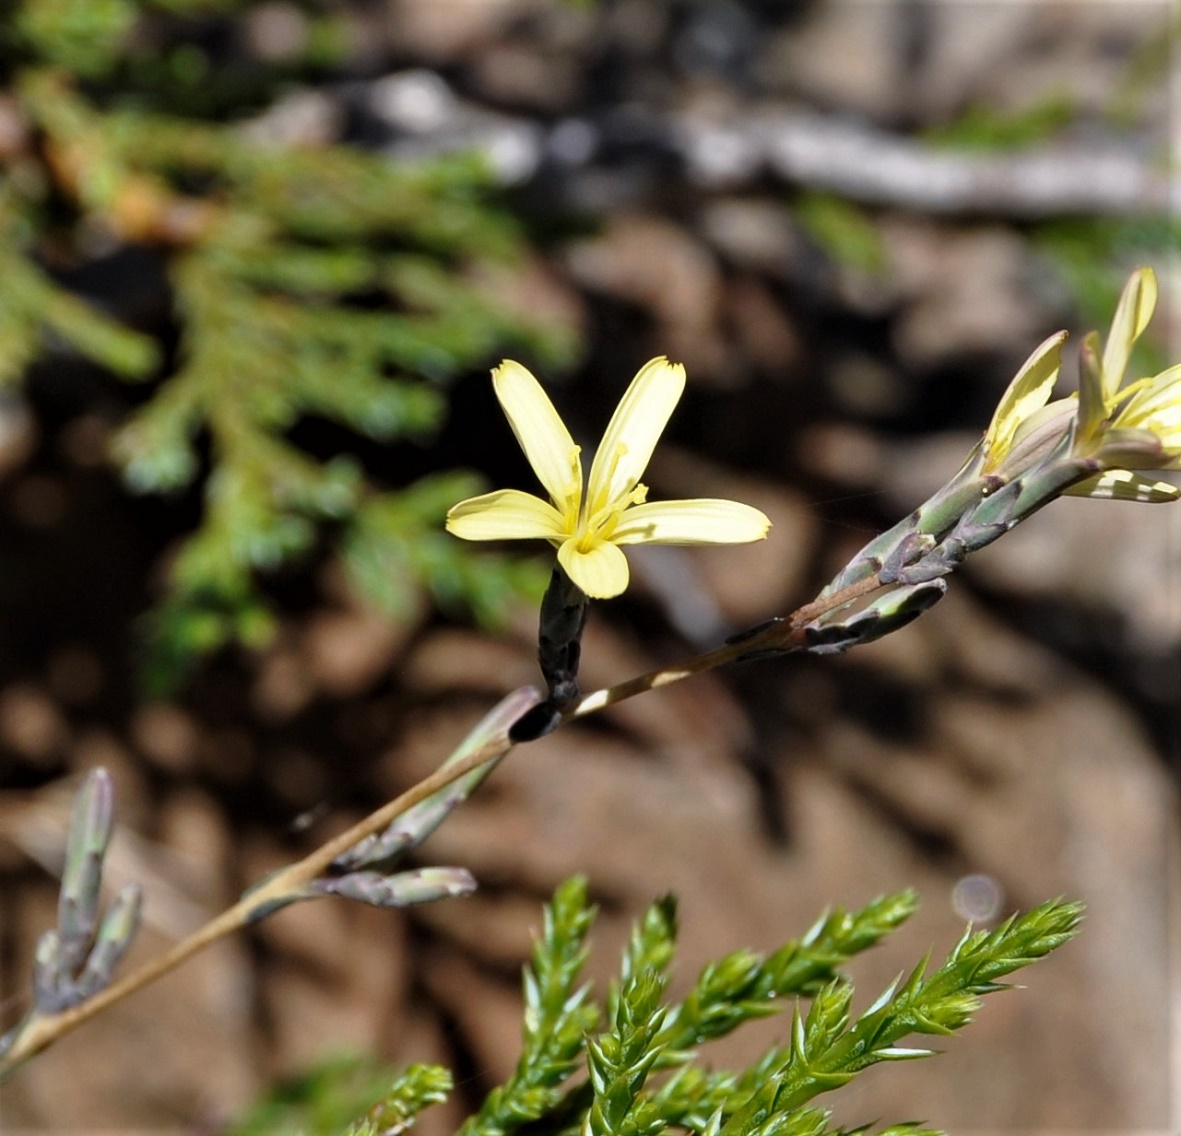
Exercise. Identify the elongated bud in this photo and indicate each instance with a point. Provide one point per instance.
(559, 652)
(881, 616)
(76, 959)
(932, 519)
(48, 974)
(401, 890)
(115, 935)
(417, 823)
(90, 832)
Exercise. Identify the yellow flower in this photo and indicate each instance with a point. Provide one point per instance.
(1137, 426)
(1131, 427)
(1154, 405)
(587, 527)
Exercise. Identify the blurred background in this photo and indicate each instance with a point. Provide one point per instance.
(258, 259)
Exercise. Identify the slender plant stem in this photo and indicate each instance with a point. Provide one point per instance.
(43, 1031)
(817, 608)
(778, 637)
(664, 676)
(782, 636)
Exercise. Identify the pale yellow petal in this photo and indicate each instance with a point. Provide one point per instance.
(699, 521)
(1028, 391)
(1158, 398)
(1155, 383)
(541, 433)
(506, 514)
(601, 571)
(1039, 431)
(1135, 309)
(632, 433)
(1123, 485)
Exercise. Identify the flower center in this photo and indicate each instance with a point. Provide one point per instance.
(600, 526)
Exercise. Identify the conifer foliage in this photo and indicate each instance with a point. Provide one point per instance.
(308, 283)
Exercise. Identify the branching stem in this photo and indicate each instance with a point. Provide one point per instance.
(43, 1031)
(780, 636)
